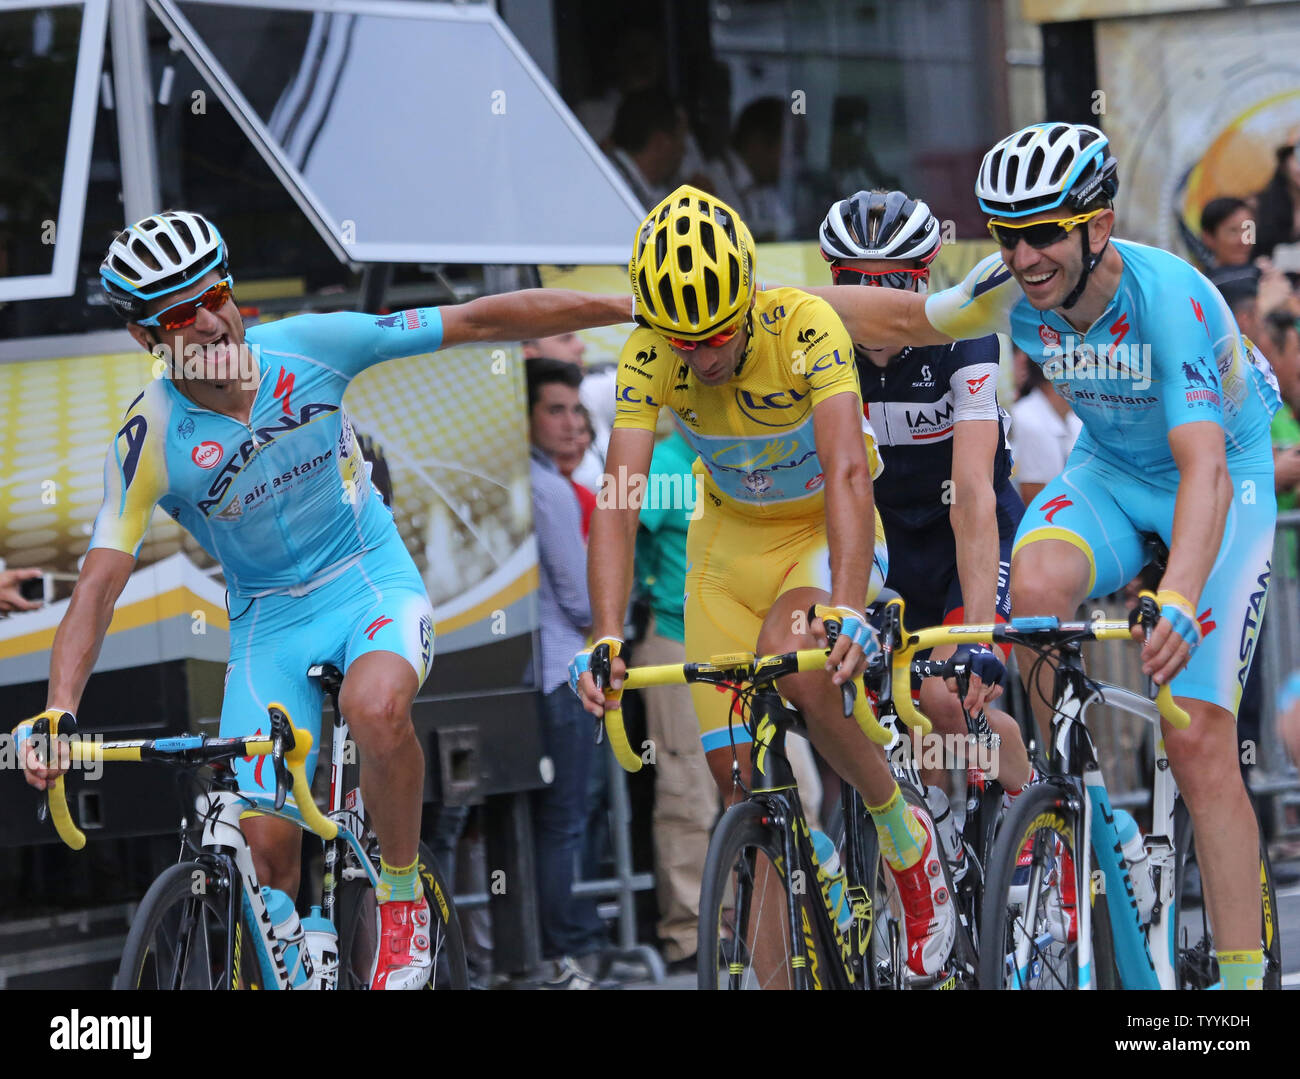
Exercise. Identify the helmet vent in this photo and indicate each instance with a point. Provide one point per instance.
(684, 259)
(1035, 165)
(707, 241)
(666, 298)
(691, 302)
(734, 266)
(712, 293)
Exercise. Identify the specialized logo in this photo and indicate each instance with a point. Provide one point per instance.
(207, 454)
(375, 626)
(1049, 336)
(284, 385)
(1206, 621)
(185, 428)
(257, 768)
(974, 385)
(1054, 506)
(1120, 327)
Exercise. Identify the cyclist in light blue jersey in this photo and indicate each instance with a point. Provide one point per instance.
(246, 444)
(1176, 407)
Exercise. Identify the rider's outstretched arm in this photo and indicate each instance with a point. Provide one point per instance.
(533, 312)
(881, 317)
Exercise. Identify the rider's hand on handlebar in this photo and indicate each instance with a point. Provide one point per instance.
(583, 683)
(1173, 640)
(854, 646)
(987, 673)
(39, 772)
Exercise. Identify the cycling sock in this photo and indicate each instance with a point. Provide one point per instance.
(1242, 970)
(902, 836)
(399, 884)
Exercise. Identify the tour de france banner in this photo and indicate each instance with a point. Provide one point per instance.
(451, 428)
(1195, 105)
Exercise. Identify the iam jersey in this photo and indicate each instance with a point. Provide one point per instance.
(1166, 351)
(754, 434)
(912, 404)
(286, 498)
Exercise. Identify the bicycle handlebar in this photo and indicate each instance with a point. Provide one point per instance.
(195, 749)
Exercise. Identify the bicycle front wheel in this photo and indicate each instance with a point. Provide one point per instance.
(1196, 965)
(745, 937)
(358, 914)
(182, 934)
(1029, 925)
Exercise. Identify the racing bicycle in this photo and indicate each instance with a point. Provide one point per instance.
(203, 923)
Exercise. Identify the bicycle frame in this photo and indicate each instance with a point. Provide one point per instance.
(1144, 954)
(773, 779)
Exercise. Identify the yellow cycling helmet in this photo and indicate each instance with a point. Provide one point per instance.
(692, 265)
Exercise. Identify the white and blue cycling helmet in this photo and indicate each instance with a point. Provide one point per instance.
(1043, 166)
(161, 254)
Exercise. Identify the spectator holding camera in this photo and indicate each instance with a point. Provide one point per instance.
(12, 597)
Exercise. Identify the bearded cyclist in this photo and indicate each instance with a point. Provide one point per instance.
(762, 385)
(945, 496)
(246, 444)
(1175, 407)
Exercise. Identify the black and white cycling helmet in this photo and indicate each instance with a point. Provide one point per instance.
(1044, 166)
(880, 225)
(163, 253)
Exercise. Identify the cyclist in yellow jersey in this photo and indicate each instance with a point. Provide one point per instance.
(763, 386)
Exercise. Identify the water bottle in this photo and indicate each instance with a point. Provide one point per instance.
(323, 947)
(288, 930)
(945, 824)
(828, 858)
(1139, 870)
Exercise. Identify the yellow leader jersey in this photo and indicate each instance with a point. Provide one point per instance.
(754, 434)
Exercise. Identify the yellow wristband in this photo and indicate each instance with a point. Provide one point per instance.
(1168, 595)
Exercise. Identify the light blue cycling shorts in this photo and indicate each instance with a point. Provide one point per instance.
(1104, 511)
(378, 605)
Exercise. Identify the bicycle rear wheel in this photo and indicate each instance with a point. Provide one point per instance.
(745, 937)
(1196, 965)
(358, 914)
(1029, 925)
(179, 936)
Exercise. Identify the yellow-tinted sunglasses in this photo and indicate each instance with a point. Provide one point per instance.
(1037, 234)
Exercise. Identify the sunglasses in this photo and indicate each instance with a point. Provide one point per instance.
(908, 279)
(1037, 234)
(180, 315)
(716, 341)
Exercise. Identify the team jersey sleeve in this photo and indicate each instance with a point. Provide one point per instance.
(974, 380)
(135, 478)
(1184, 330)
(978, 305)
(348, 342)
(645, 367)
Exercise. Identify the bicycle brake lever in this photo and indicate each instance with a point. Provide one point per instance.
(849, 692)
(280, 735)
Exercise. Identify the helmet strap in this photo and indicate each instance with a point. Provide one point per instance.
(1089, 264)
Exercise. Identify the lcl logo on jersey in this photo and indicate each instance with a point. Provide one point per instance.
(771, 320)
(207, 454)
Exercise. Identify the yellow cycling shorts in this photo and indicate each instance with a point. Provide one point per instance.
(736, 567)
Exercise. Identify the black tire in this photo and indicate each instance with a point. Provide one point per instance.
(1044, 815)
(357, 930)
(1195, 965)
(178, 937)
(744, 866)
